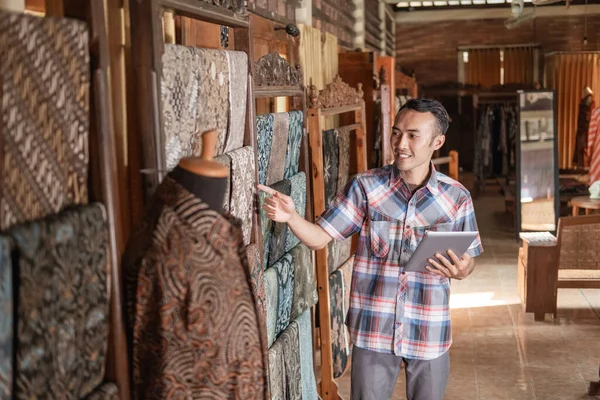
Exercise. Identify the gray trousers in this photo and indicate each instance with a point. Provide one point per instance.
(374, 376)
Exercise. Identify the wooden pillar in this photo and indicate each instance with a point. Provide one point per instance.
(453, 167)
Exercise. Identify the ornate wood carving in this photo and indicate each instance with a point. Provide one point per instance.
(237, 6)
(338, 93)
(274, 70)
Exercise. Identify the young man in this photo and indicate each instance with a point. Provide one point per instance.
(396, 316)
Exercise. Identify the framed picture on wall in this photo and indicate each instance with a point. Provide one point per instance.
(538, 197)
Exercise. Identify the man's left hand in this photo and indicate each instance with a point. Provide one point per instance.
(457, 268)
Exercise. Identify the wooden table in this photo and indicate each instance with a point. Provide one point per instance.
(586, 203)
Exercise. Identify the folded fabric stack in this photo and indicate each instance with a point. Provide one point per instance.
(290, 286)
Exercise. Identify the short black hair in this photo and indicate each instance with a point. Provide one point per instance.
(432, 106)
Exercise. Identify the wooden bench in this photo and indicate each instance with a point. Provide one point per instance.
(571, 260)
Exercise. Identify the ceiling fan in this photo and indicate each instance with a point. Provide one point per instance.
(518, 16)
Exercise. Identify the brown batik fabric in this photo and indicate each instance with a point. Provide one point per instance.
(277, 382)
(238, 95)
(243, 180)
(107, 391)
(291, 356)
(44, 122)
(63, 307)
(281, 127)
(6, 319)
(257, 283)
(305, 289)
(193, 324)
(339, 334)
(344, 157)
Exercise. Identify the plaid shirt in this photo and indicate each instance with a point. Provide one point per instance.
(391, 311)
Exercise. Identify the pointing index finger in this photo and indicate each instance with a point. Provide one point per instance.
(266, 189)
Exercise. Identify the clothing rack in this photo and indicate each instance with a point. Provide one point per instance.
(336, 99)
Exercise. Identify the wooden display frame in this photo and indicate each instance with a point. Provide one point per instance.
(386, 120)
(336, 99)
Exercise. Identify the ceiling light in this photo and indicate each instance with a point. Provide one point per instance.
(495, 1)
(527, 1)
(427, 3)
(440, 3)
(415, 4)
(478, 2)
(454, 2)
(465, 2)
(402, 4)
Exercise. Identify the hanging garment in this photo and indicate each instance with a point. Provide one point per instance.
(281, 126)
(107, 391)
(272, 298)
(277, 382)
(307, 371)
(344, 157)
(330, 164)
(44, 116)
(339, 336)
(347, 269)
(224, 160)
(377, 148)
(193, 324)
(305, 289)
(291, 356)
(594, 146)
(279, 231)
(257, 283)
(292, 158)
(264, 128)
(338, 252)
(62, 321)
(237, 62)
(242, 188)
(298, 194)
(6, 319)
(586, 105)
(285, 291)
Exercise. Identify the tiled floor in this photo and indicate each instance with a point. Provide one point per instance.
(499, 352)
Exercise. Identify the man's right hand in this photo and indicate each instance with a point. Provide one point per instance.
(279, 207)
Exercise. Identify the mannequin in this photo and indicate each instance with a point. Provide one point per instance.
(203, 177)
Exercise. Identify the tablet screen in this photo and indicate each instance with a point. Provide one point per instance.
(439, 242)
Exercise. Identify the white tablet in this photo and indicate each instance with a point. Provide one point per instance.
(439, 242)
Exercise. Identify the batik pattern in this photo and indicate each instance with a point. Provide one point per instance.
(291, 356)
(242, 188)
(347, 275)
(276, 170)
(6, 319)
(264, 125)
(213, 96)
(305, 289)
(267, 229)
(292, 158)
(277, 372)
(44, 116)
(257, 278)
(285, 284)
(63, 307)
(272, 298)
(344, 157)
(190, 306)
(339, 336)
(298, 194)
(337, 253)
(279, 231)
(330, 164)
(180, 84)
(237, 62)
(307, 370)
(224, 160)
(108, 391)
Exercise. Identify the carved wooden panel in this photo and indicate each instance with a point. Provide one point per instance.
(274, 70)
(237, 6)
(336, 94)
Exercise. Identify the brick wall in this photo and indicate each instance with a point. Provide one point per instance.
(430, 48)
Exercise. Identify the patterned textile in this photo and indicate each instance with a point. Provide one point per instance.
(291, 355)
(330, 164)
(586, 105)
(108, 391)
(285, 295)
(63, 307)
(226, 161)
(44, 108)
(347, 275)
(189, 304)
(340, 346)
(593, 146)
(305, 289)
(272, 298)
(344, 157)
(213, 96)
(264, 125)
(275, 172)
(292, 158)
(579, 247)
(267, 229)
(6, 319)
(237, 62)
(298, 194)
(180, 84)
(338, 252)
(392, 222)
(257, 280)
(307, 371)
(242, 188)
(279, 231)
(277, 372)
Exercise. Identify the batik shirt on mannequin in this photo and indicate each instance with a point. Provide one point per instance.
(176, 333)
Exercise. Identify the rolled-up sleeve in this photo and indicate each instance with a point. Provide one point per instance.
(466, 222)
(345, 216)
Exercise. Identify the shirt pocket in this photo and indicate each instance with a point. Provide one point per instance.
(379, 238)
(419, 231)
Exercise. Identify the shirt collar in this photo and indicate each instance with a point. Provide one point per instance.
(432, 183)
